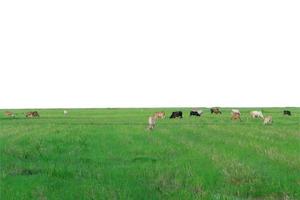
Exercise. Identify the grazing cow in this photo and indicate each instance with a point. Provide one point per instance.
(35, 114)
(9, 114)
(256, 114)
(268, 120)
(236, 116)
(65, 112)
(287, 112)
(32, 114)
(196, 113)
(176, 114)
(160, 115)
(151, 122)
(215, 110)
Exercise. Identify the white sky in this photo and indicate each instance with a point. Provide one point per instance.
(68, 53)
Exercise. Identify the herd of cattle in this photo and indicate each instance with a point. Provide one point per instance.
(235, 115)
(32, 114)
(27, 114)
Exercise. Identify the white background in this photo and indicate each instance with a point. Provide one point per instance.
(68, 53)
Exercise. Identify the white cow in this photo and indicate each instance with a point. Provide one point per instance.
(235, 111)
(268, 120)
(256, 114)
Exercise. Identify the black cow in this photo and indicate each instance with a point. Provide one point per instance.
(176, 114)
(287, 112)
(195, 113)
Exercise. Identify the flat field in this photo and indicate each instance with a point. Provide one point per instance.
(109, 154)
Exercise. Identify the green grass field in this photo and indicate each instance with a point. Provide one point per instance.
(109, 154)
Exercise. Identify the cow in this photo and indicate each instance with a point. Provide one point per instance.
(235, 111)
(287, 112)
(176, 114)
(29, 114)
(160, 115)
(196, 113)
(65, 112)
(256, 114)
(9, 114)
(35, 114)
(151, 122)
(268, 120)
(215, 110)
(236, 116)
(32, 114)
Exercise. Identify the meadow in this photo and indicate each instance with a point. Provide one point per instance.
(109, 154)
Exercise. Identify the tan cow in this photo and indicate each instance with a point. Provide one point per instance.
(151, 122)
(9, 114)
(235, 116)
(268, 120)
(160, 115)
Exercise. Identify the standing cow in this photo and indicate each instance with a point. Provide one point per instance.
(151, 122)
(287, 112)
(9, 114)
(268, 120)
(236, 116)
(32, 114)
(215, 110)
(197, 113)
(235, 111)
(176, 115)
(160, 115)
(256, 114)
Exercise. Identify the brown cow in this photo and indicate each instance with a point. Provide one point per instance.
(32, 114)
(235, 116)
(159, 115)
(215, 110)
